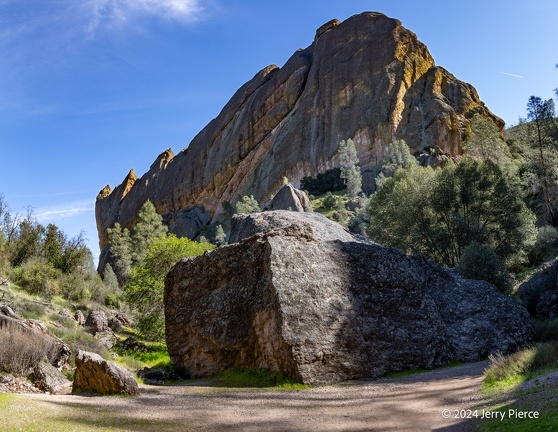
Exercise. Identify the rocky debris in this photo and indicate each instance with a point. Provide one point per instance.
(96, 375)
(540, 293)
(65, 313)
(131, 344)
(12, 384)
(123, 319)
(49, 379)
(8, 311)
(367, 78)
(107, 338)
(158, 376)
(289, 198)
(96, 321)
(114, 324)
(78, 316)
(322, 309)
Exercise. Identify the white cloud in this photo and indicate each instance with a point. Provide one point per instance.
(121, 13)
(64, 211)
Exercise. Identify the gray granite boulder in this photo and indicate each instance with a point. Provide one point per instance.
(307, 299)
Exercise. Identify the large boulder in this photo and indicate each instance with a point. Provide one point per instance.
(323, 308)
(367, 78)
(290, 198)
(49, 379)
(540, 292)
(94, 374)
(96, 321)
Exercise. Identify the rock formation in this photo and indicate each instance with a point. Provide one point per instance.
(367, 78)
(290, 198)
(307, 299)
(97, 375)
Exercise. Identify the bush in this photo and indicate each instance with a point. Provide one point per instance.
(546, 245)
(329, 202)
(36, 276)
(21, 350)
(479, 262)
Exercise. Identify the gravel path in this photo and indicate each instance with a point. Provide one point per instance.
(413, 403)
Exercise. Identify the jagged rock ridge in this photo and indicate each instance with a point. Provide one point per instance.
(367, 78)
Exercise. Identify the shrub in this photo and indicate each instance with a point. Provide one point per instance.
(479, 262)
(546, 245)
(20, 349)
(36, 276)
(330, 201)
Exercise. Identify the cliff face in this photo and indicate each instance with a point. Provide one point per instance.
(367, 78)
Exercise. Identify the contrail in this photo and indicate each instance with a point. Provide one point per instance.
(510, 74)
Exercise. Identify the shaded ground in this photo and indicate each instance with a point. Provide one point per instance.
(413, 403)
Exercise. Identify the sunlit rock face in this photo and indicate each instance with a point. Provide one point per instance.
(299, 295)
(367, 78)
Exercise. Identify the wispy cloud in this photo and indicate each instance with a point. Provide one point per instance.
(122, 13)
(511, 74)
(63, 211)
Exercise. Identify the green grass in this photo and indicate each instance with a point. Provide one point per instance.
(260, 378)
(501, 388)
(26, 415)
(156, 356)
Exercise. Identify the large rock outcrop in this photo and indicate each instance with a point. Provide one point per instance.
(307, 299)
(367, 78)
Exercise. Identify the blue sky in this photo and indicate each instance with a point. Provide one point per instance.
(92, 88)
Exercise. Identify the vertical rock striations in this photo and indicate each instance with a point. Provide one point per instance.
(367, 78)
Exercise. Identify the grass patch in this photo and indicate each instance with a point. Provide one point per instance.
(507, 372)
(502, 389)
(21, 414)
(152, 354)
(260, 378)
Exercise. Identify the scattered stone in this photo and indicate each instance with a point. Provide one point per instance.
(115, 325)
(322, 309)
(107, 338)
(123, 319)
(131, 344)
(96, 375)
(78, 316)
(65, 313)
(8, 311)
(49, 379)
(96, 322)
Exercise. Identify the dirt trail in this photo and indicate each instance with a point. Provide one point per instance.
(413, 403)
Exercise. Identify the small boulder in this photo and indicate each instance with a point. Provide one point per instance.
(78, 316)
(97, 375)
(97, 321)
(49, 379)
(107, 338)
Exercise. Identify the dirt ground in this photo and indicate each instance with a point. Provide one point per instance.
(413, 403)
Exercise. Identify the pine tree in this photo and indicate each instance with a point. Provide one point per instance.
(350, 172)
(148, 226)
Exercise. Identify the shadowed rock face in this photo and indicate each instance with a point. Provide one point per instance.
(367, 78)
(320, 306)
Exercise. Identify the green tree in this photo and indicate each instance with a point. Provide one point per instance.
(121, 251)
(350, 172)
(485, 142)
(480, 263)
(544, 159)
(398, 155)
(247, 205)
(147, 227)
(144, 291)
(220, 235)
(439, 213)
